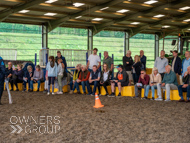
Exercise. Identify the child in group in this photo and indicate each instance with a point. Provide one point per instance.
(52, 73)
(60, 70)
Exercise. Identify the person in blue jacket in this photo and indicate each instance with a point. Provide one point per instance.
(59, 56)
(2, 77)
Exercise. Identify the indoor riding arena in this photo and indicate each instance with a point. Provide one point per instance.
(103, 71)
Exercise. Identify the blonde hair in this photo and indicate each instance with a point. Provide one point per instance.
(29, 67)
(60, 60)
(137, 57)
(154, 69)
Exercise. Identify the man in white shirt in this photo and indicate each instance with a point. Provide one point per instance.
(93, 59)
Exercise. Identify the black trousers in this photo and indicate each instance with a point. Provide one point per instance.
(15, 81)
(105, 84)
(162, 75)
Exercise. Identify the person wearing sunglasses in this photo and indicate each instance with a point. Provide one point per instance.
(142, 82)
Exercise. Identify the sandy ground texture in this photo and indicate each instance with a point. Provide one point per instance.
(122, 120)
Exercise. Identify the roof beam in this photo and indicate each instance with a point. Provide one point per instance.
(181, 28)
(56, 23)
(105, 25)
(18, 8)
(137, 30)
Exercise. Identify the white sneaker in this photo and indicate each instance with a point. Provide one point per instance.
(60, 92)
(48, 93)
(52, 93)
(159, 99)
(167, 100)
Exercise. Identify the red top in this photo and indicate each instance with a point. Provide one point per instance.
(87, 77)
(144, 81)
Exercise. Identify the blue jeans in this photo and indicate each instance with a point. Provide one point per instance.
(152, 89)
(135, 78)
(96, 84)
(32, 82)
(86, 83)
(24, 83)
(181, 90)
(76, 85)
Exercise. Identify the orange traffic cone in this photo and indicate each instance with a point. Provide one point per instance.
(98, 103)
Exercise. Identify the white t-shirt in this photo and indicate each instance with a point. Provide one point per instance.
(94, 60)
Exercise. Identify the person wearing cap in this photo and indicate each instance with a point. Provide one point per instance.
(59, 56)
(142, 82)
(169, 82)
(176, 65)
(108, 60)
(127, 64)
(155, 78)
(160, 63)
(185, 62)
(121, 80)
(93, 59)
(143, 59)
(185, 87)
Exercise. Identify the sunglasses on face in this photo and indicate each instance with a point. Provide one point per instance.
(142, 73)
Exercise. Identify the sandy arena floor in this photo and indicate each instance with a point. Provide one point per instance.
(122, 120)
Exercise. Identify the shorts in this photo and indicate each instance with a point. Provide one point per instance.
(130, 75)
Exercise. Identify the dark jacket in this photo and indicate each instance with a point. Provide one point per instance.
(177, 65)
(9, 71)
(127, 67)
(143, 61)
(125, 77)
(102, 77)
(28, 75)
(187, 77)
(19, 74)
(2, 72)
(63, 59)
(137, 67)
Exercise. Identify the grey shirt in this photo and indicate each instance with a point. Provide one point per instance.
(160, 64)
(38, 75)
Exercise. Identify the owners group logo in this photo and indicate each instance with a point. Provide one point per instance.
(37, 124)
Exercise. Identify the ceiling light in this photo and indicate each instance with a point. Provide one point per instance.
(184, 8)
(159, 15)
(77, 4)
(166, 26)
(187, 20)
(97, 19)
(50, 1)
(78, 17)
(122, 10)
(104, 8)
(135, 23)
(24, 11)
(50, 14)
(150, 1)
